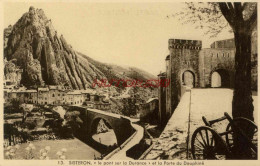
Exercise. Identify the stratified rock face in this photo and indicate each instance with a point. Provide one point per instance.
(45, 57)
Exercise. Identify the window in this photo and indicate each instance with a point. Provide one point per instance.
(53, 95)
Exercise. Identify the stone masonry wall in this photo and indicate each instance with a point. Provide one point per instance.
(214, 59)
(168, 89)
(184, 56)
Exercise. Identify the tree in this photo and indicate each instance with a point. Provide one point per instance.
(241, 19)
(129, 106)
(242, 22)
(73, 120)
(26, 108)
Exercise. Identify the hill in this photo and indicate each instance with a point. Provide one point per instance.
(35, 55)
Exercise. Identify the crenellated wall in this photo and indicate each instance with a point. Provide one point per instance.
(188, 65)
(184, 44)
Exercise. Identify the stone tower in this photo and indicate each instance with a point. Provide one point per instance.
(162, 100)
(183, 70)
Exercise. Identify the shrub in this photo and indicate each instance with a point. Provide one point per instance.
(30, 153)
(73, 120)
(29, 125)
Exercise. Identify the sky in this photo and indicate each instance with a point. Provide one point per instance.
(126, 34)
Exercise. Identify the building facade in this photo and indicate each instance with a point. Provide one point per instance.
(190, 66)
(55, 95)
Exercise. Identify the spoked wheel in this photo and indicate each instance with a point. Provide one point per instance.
(249, 132)
(207, 144)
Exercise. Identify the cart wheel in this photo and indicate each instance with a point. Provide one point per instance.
(249, 126)
(207, 144)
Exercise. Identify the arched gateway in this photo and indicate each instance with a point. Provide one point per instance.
(220, 78)
(188, 78)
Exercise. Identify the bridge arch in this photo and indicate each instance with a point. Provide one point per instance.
(188, 78)
(220, 78)
(122, 127)
(101, 124)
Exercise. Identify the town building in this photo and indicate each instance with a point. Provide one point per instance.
(74, 98)
(89, 104)
(55, 95)
(86, 95)
(30, 96)
(8, 84)
(43, 96)
(148, 111)
(15, 94)
(162, 117)
(98, 102)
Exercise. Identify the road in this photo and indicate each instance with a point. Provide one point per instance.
(211, 103)
(121, 155)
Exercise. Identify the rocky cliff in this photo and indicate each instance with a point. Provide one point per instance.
(33, 46)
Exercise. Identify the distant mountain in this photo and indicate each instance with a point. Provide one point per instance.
(116, 71)
(35, 55)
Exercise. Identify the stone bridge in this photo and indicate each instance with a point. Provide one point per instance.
(91, 117)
